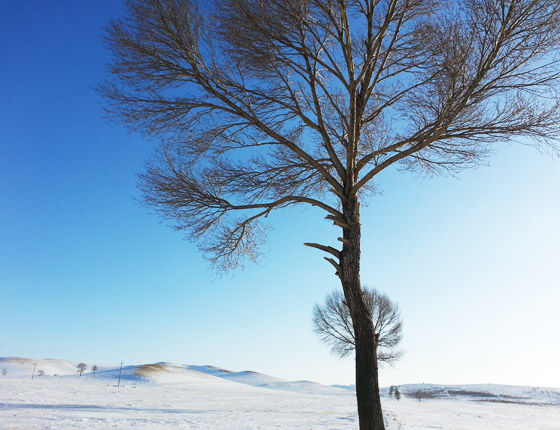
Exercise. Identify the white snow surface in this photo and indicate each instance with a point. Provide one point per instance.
(175, 396)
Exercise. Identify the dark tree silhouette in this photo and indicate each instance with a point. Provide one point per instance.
(333, 323)
(265, 104)
(81, 368)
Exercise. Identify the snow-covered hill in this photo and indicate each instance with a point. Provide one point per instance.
(265, 381)
(162, 372)
(23, 367)
(482, 393)
(168, 396)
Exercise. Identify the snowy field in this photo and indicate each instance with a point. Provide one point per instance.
(169, 396)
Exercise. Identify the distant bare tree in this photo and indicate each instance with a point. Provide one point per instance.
(419, 395)
(4, 372)
(333, 323)
(40, 372)
(94, 368)
(81, 368)
(397, 393)
(265, 104)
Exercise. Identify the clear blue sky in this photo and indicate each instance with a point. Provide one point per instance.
(87, 274)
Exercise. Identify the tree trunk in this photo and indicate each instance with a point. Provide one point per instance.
(367, 382)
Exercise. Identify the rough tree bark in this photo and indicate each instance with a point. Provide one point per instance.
(367, 377)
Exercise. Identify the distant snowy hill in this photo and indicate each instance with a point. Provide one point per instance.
(252, 378)
(265, 381)
(211, 370)
(23, 367)
(172, 373)
(162, 372)
(482, 393)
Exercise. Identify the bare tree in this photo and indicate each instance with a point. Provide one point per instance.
(397, 393)
(4, 372)
(81, 368)
(333, 323)
(265, 104)
(94, 368)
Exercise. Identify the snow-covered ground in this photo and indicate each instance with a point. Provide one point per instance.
(169, 396)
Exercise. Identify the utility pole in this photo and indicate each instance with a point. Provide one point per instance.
(34, 366)
(120, 371)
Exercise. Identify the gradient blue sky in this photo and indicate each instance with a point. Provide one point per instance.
(87, 274)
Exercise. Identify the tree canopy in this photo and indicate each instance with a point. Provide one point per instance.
(265, 104)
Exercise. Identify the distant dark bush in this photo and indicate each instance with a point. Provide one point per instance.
(438, 393)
